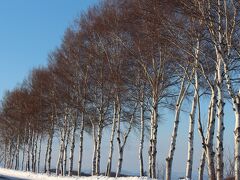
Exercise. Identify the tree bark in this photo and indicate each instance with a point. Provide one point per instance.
(17, 153)
(237, 138)
(5, 155)
(178, 105)
(191, 137)
(28, 150)
(35, 147)
(32, 150)
(121, 144)
(142, 109)
(81, 145)
(65, 152)
(46, 154)
(210, 154)
(153, 137)
(120, 160)
(120, 150)
(98, 148)
(59, 158)
(94, 149)
(59, 166)
(72, 148)
(220, 116)
(13, 154)
(192, 115)
(207, 141)
(111, 147)
(202, 165)
(64, 142)
(39, 155)
(9, 154)
(236, 108)
(24, 148)
(49, 160)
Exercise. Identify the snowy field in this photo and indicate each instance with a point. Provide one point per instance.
(6, 174)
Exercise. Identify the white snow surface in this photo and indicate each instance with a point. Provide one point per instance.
(12, 174)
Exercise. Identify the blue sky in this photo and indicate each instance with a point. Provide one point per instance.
(29, 30)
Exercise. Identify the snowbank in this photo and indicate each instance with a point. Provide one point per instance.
(34, 176)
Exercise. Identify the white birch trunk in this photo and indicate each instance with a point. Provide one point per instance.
(17, 153)
(49, 156)
(24, 148)
(210, 154)
(237, 138)
(59, 166)
(153, 137)
(35, 154)
(60, 156)
(46, 154)
(200, 129)
(49, 160)
(59, 160)
(72, 148)
(207, 141)
(9, 154)
(28, 150)
(65, 152)
(220, 114)
(32, 150)
(94, 149)
(220, 103)
(142, 137)
(191, 136)
(39, 154)
(192, 116)
(64, 143)
(65, 160)
(121, 144)
(81, 146)
(109, 163)
(98, 148)
(202, 166)
(120, 160)
(236, 108)
(120, 150)
(178, 105)
(23, 156)
(12, 157)
(5, 155)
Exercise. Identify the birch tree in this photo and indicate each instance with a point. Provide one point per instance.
(182, 93)
(222, 28)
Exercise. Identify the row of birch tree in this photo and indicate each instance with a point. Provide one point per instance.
(118, 67)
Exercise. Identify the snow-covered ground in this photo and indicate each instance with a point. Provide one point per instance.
(12, 175)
